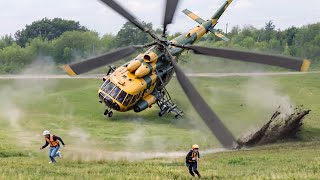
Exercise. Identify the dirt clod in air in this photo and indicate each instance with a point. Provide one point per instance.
(280, 126)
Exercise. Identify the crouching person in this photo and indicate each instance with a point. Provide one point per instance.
(192, 159)
(54, 145)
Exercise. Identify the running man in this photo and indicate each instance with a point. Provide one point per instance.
(192, 159)
(54, 145)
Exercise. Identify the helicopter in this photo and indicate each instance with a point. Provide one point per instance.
(140, 83)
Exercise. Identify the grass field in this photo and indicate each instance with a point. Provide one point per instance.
(140, 146)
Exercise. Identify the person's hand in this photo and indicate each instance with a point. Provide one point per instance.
(64, 145)
(41, 148)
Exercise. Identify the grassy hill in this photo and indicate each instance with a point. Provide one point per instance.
(144, 146)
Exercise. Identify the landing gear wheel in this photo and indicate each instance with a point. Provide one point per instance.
(106, 112)
(110, 114)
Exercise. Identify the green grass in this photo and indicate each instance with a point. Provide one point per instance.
(70, 109)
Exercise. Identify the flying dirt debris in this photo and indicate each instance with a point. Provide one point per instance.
(280, 126)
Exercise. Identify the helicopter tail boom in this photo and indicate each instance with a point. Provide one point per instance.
(219, 13)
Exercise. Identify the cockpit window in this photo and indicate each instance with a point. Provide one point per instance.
(127, 100)
(115, 92)
(109, 87)
(121, 96)
(105, 83)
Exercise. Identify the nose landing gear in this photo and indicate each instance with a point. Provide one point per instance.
(108, 113)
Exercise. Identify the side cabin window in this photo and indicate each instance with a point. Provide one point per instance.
(127, 100)
(134, 99)
(109, 88)
(115, 92)
(121, 96)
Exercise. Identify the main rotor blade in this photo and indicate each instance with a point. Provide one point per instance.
(129, 17)
(95, 62)
(124, 13)
(224, 136)
(281, 61)
(171, 7)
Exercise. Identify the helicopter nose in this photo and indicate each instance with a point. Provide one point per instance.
(111, 104)
(116, 106)
(108, 101)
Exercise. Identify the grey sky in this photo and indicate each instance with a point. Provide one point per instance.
(15, 14)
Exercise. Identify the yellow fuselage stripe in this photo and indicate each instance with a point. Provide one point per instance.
(214, 22)
(202, 31)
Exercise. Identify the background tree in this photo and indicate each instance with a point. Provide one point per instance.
(107, 42)
(129, 34)
(75, 45)
(13, 58)
(47, 29)
(6, 40)
(269, 31)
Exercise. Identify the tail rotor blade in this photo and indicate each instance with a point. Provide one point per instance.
(98, 61)
(273, 60)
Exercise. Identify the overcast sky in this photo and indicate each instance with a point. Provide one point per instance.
(15, 14)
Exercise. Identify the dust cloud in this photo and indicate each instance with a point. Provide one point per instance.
(262, 94)
(139, 138)
(17, 91)
(86, 149)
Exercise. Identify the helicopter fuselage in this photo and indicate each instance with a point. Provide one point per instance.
(134, 84)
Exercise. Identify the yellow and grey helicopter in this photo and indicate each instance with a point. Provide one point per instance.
(140, 83)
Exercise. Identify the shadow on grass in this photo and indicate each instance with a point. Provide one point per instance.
(151, 117)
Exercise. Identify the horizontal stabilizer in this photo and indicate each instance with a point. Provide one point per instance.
(218, 34)
(193, 16)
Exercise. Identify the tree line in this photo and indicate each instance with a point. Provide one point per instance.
(65, 41)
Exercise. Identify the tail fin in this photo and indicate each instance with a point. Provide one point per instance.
(214, 19)
(193, 16)
(219, 13)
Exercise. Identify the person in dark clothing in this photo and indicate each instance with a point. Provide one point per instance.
(192, 159)
(54, 145)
